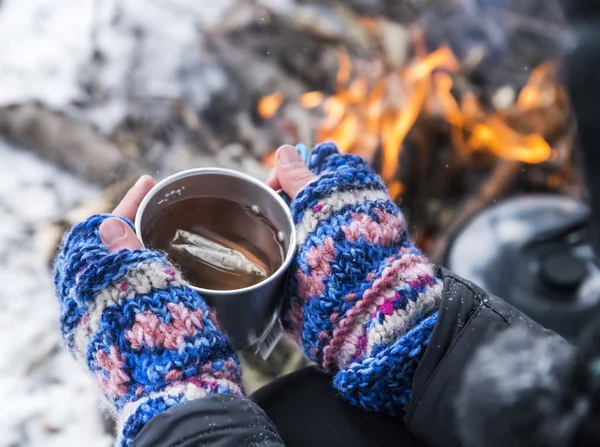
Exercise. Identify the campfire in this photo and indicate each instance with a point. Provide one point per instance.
(377, 112)
(365, 115)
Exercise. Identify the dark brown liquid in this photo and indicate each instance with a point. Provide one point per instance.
(217, 243)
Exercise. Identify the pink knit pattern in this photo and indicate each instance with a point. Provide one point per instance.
(115, 384)
(318, 259)
(387, 231)
(387, 307)
(173, 375)
(361, 347)
(409, 266)
(149, 330)
(209, 377)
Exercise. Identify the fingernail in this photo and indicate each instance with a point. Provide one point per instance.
(143, 179)
(288, 155)
(111, 230)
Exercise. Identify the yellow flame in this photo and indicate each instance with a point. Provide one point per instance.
(268, 106)
(363, 115)
(311, 99)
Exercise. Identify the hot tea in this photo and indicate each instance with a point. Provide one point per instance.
(218, 244)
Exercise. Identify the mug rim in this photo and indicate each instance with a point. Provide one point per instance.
(231, 173)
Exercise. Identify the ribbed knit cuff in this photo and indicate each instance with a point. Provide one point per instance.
(382, 382)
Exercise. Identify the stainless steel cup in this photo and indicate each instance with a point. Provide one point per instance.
(246, 315)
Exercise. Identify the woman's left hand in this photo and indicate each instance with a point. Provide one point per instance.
(115, 233)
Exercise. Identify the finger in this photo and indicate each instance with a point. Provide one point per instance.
(273, 181)
(292, 173)
(116, 235)
(131, 202)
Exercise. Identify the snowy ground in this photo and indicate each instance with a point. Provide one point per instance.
(105, 54)
(47, 50)
(48, 400)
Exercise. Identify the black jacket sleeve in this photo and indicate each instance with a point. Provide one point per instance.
(468, 318)
(213, 421)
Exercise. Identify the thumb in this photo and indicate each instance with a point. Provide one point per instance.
(292, 173)
(117, 235)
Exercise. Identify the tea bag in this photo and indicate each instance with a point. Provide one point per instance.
(216, 252)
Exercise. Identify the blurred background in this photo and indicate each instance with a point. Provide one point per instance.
(458, 104)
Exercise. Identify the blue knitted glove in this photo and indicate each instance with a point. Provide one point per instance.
(150, 341)
(363, 300)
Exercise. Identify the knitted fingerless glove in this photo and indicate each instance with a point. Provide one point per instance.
(150, 341)
(364, 300)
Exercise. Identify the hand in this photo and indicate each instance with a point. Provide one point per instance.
(116, 234)
(361, 299)
(290, 172)
(150, 341)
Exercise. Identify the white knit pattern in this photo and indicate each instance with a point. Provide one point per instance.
(402, 320)
(332, 204)
(139, 281)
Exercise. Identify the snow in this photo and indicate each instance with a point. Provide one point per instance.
(42, 49)
(87, 58)
(49, 400)
(54, 51)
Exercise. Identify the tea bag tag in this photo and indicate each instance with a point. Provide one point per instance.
(274, 333)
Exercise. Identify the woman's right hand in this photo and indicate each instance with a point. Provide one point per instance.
(362, 301)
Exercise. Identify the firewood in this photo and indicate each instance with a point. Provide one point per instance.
(259, 75)
(71, 145)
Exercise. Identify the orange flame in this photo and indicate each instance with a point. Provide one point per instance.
(491, 132)
(269, 160)
(269, 105)
(396, 126)
(506, 143)
(442, 58)
(311, 99)
(538, 92)
(395, 189)
(363, 115)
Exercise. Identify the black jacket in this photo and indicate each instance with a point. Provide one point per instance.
(468, 318)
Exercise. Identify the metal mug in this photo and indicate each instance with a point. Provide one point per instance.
(250, 315)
